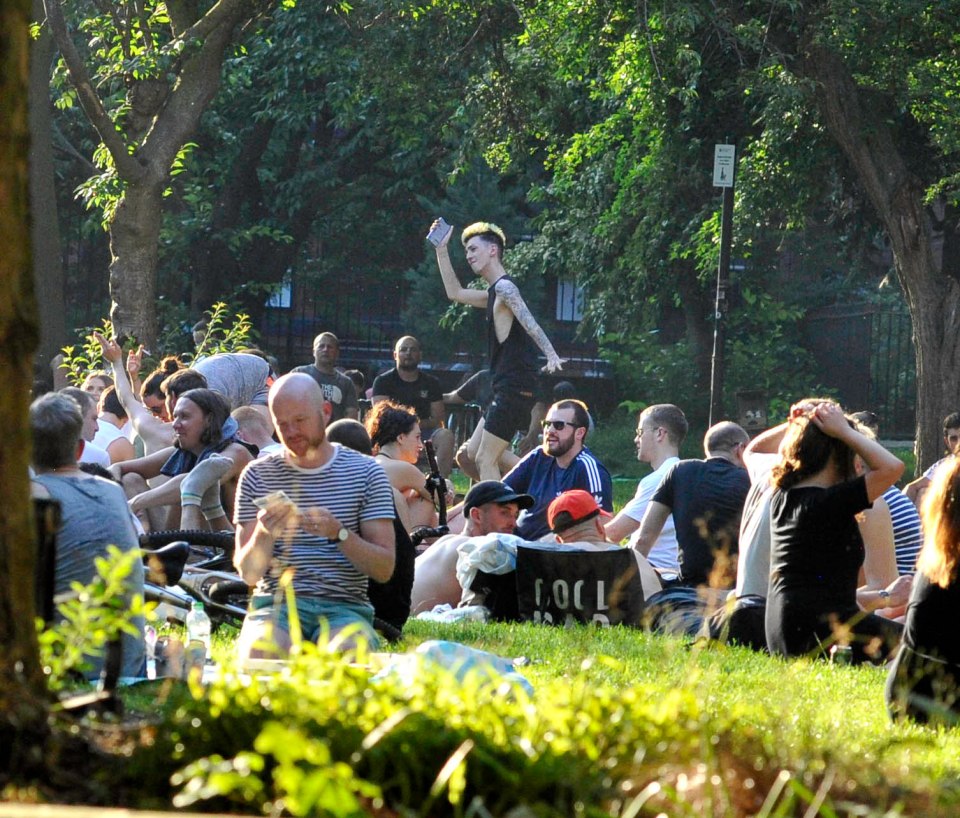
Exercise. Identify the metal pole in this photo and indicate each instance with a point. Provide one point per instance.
(723, 277)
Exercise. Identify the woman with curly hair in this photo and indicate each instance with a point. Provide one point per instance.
(924, 681)
(395, 434)
(816, 550)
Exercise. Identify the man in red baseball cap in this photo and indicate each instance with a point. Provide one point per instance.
(576, 519)
(571, 510)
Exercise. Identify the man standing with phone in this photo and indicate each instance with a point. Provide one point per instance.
(514, 336)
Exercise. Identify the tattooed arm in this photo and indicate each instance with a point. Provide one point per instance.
(508, 292)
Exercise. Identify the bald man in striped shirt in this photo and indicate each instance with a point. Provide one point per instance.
(314, 511)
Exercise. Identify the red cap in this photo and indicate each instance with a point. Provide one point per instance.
(572, 508)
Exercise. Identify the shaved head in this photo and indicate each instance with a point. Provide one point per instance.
(407, 340)
(326, 337)
(296, 405)
(296, 386)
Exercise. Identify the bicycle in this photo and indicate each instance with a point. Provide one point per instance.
(437, 486)
(207, 575)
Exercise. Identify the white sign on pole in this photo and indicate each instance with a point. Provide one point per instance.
(723, 158)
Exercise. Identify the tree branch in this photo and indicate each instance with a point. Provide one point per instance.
(65, 145)
(145, 25)
(127, 165)
(225, 12)
(199, 78)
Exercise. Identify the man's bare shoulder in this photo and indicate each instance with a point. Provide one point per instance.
(448, 541)
(443, 548)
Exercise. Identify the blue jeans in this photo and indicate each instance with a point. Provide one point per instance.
(312, 613)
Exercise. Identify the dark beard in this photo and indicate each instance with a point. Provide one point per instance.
(561, 449)
(408, 367)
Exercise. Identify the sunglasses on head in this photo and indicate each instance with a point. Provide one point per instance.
(559, 425)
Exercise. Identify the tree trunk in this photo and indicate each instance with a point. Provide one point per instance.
(45, 232)
(897, 196)
(144, 137)
(696, 307)
(134, 245)
(22, 690)
(212, 262)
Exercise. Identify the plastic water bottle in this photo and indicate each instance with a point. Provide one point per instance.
(198, 627)
(841, 655)
(150, 642)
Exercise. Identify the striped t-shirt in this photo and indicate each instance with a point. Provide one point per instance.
(907, 536)
(351, 486)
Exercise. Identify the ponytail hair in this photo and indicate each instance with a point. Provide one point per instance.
(151, 384)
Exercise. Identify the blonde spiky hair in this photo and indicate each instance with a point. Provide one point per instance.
(486, 230)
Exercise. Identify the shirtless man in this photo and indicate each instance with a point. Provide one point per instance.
(490, 507)
(514, 336)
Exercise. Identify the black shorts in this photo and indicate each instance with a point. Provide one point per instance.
(508, 411)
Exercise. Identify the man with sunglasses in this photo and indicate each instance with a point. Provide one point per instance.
(562, 463)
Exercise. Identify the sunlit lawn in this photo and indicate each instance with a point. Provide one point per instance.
(627, 722)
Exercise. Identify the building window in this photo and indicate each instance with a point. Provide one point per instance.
(570, 300)
(282, 298)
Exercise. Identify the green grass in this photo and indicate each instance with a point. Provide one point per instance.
(617, 716)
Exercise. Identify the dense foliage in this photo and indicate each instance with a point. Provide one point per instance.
(339, 133)
(620, 723)
(588, 129)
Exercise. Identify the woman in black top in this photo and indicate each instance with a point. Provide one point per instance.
(816, 550)
(924, 681)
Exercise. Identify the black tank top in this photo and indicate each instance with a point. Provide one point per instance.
(513, 363)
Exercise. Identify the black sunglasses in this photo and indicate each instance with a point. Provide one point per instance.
(559, 425)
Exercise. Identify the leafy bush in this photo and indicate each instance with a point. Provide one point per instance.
(227, 331)
(622, 723)
(81, 359)
(225, 334)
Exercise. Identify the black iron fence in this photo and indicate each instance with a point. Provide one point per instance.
(865, 353)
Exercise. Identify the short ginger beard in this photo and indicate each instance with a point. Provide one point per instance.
(313, 445)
